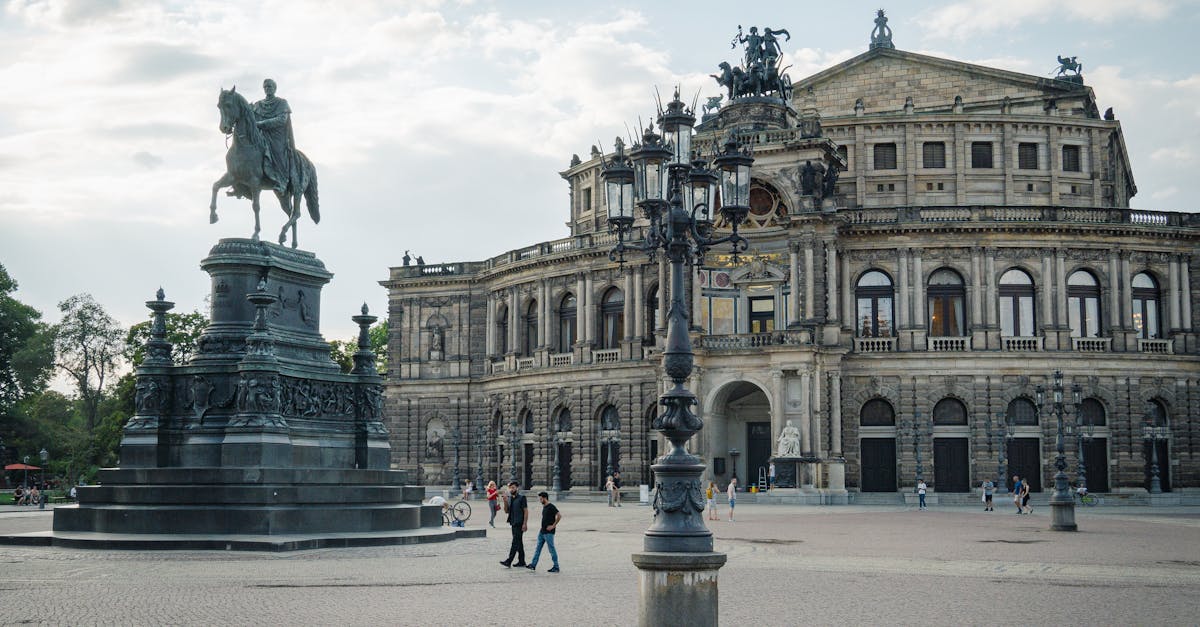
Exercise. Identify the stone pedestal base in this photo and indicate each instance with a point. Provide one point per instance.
(1062, 515)
(678, 588)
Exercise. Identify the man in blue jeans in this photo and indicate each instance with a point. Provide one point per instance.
(550, 518)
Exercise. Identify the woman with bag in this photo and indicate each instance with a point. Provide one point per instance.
(493, 495)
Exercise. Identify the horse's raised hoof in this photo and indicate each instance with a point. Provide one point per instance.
(282, 238)
(212, 216)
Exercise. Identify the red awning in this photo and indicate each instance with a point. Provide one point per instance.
(21, 467)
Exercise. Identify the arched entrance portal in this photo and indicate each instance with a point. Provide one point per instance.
(739, 436)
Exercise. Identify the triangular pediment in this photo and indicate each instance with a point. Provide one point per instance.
(884, 79)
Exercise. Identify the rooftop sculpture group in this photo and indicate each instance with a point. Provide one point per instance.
(760, 74)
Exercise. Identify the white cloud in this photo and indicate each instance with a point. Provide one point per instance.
(963, 20)
(1173, 154)
(1165, 193)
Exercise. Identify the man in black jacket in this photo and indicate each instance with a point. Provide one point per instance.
(518, 516)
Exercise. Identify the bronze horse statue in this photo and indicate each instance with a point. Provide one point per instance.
(244, 168)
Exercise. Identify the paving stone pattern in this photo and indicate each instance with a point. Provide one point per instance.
(787, 565)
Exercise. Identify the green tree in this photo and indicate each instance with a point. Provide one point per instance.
(87, 345)
(26, 351)
(183, 332)
(342, 352)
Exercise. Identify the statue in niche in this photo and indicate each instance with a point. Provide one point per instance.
(789, 441)
(808, 179)
(434, 446)
(830, 182)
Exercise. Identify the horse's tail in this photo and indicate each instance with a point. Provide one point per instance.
(310, 197)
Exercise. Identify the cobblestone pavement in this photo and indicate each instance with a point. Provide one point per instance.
(787, 565)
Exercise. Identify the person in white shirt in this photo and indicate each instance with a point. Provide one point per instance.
(921, 487)
(732, 493)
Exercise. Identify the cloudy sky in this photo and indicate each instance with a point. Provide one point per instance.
(441, 127)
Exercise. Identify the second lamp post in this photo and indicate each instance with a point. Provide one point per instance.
(1062, 504)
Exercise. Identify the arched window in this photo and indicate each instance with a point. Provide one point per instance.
(949, 411)
(531, 329)
(1022, 413)
(874, 294)
(1083, 304)
(527, 421)
(651, 316)
(946, 295)
(1016, 304)
(502, 329)
(610, 419)
(612, 319)
(1091, 412)
(1147, 316)
(1157, 413)
(563, 423)
(567, 316)
(877, 413)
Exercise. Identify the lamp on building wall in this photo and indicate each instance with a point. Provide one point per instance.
(1152, 433)
(1083, 430)
(733, 455)
(1062, 504)
(657, 176)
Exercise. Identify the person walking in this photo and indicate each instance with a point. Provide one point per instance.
(732, 492)
(1016, 491)
(921, 489)
(617, 487)
(517, 507)
(610, 487)
(711, 495)
(770, 476)
(988, 488)
(550, 519)
(493, 500)
(1025, 506)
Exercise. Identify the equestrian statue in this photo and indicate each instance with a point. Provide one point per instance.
(262, 155)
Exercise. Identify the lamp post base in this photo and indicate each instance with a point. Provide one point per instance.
(1062, 515)
(677, 588)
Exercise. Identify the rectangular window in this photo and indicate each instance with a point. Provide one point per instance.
(845, 154)
(981, 155)
(762, 314)
(1070, 162)
(1027, 156)
(933, 154)
(885, 156)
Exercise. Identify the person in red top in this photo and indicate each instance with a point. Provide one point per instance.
(492, 495)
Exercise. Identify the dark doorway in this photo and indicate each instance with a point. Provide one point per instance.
(758, 451)
(1095, 455)
(528, 474)
(653, 457)
(951, 466)
(564, 465)
(878, 464)
(1164, 465)
(1025, 459)
(605, 468)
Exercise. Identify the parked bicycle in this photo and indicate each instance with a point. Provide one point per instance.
(455, 515)
(1087, 499)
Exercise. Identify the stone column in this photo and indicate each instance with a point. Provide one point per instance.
(837, 466)
(902, 296)
(588, 309)
(1173, 293)
(975, 288)
(490, 326)
(1060, 279)
(805, 411)
(514, 320)
(677, 588)
(918, 301)
(543, 315)
(639, 309)
(777, 406)
(847, 295)
(628, 309)
(1114, 292)
(794, 285)
(990, 298)
(695, 319)
(1046, 282)
(817, 410)
(1185, 281)
(809, 310)
(831, 295)
(1127, 300)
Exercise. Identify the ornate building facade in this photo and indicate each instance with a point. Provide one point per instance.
(930, 241)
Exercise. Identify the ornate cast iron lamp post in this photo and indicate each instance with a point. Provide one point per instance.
(456, 437)
(556, 479)
(915, 428)
(1062, 504)
(513, 440)
(1152, 434)
(677, 196)
(1004, 436)
(481, 436)
(1083, 436)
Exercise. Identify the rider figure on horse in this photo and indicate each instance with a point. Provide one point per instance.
(274, 117)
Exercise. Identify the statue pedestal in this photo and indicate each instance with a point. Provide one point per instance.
(677, 588)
